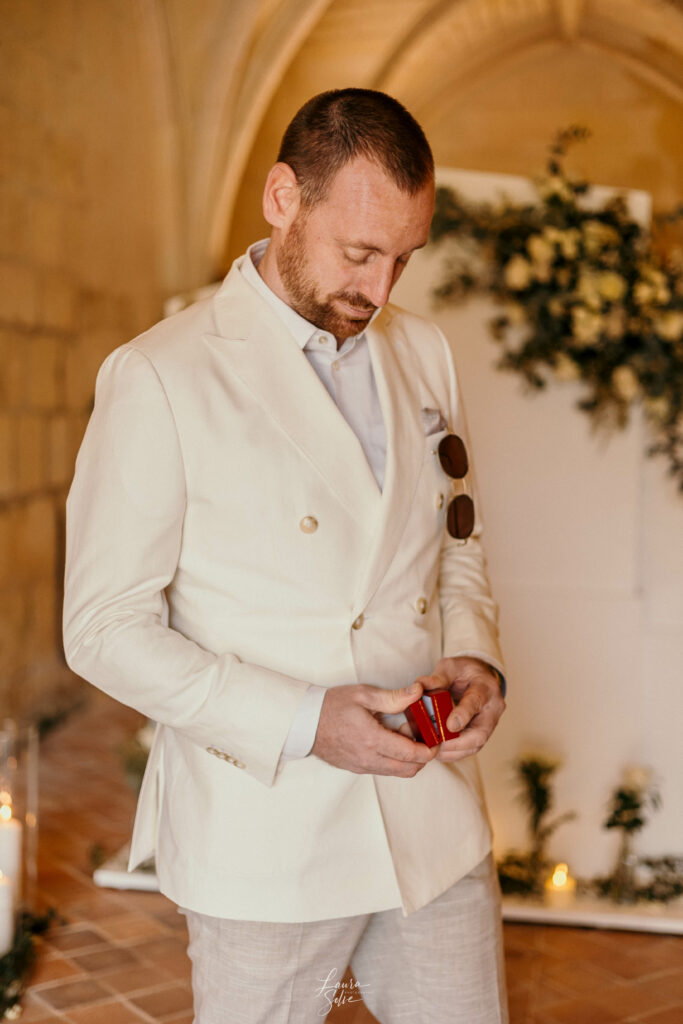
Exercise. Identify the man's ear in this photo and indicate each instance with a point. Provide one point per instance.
(281, 196)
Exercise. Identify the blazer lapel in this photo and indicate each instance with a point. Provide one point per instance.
(396, 375)
(257, 348)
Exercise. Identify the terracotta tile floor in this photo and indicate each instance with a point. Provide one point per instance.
(119, 958)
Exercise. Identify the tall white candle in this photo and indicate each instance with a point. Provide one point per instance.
(10, 847)
(6, 915)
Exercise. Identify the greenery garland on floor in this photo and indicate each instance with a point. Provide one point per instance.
(587, 290)
(634, 879)
(16, 964)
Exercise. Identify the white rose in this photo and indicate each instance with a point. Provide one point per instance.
(565, 368)
(552, 234)
(542, 272)
(554, 186)
(612, 286)
(515, 313)
(569, 243)
(658, 409)
(670, 325)
(615, 322)
(643, 293)
(597, 236)
(517, 273)
(625, 383)
(637, 777)
(588, 289)
(653, 275)
(586, 326)
(540, 250)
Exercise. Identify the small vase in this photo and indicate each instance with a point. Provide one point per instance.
(622, 888)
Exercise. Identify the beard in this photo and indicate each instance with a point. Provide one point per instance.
(293, 268)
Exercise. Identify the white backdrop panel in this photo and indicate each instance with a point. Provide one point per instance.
(583, 537)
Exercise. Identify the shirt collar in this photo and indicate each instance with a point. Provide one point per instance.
(302, 330)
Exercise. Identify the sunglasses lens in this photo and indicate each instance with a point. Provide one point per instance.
(453, 456)
(460, 517)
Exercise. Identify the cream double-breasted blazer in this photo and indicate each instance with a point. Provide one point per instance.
(227, 545)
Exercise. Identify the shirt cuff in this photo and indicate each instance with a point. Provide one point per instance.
(301, 735)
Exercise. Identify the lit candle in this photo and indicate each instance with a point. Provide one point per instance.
(10, 843)
(560, 889)
(6, 915)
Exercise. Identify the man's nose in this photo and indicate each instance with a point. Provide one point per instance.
(378, 281)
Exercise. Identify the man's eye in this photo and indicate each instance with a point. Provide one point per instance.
(356, 258)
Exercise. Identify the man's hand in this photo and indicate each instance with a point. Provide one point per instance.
(479, 704)
(350, 736)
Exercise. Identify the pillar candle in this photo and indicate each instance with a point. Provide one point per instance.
(10, 847)
(560, 889)
(6, 915)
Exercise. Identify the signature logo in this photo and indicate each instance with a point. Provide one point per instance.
(336, 992)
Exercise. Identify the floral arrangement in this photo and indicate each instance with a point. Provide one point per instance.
(525, 872)
(591, 295)
(627, 812)
(631, 799)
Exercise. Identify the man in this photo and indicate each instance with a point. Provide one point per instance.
(258, 560)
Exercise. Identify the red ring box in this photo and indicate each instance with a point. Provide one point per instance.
(430, 728)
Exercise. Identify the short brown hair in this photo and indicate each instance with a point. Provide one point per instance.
(337, 126)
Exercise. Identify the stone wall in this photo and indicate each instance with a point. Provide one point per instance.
(78, 276)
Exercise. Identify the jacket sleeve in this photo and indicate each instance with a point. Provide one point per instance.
(124, 533)
(468, 612)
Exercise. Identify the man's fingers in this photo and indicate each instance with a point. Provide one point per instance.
(388, 753)
(396, 747)
(472, 738)
(473, 702)
(389, 702)
(468, 708)
(435, 681)
(467, 744)
(397, 769)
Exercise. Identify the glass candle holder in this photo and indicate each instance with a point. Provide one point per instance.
(18, 824)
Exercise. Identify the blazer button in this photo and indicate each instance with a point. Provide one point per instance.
(421, 605)
(439, 501)
(357, 623)
(309, 524)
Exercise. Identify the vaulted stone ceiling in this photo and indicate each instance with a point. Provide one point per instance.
(236, 70)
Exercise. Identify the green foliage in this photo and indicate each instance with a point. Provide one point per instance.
(585, 295)
(661, 880)
(628, 805)
(525, 872)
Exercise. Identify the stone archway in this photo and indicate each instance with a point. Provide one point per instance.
(425, 52)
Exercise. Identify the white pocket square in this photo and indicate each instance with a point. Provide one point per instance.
(432, 421)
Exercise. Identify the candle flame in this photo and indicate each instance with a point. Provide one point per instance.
(5, 812)
(560, 875)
